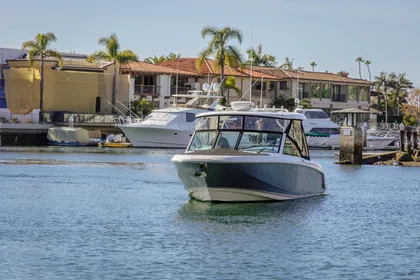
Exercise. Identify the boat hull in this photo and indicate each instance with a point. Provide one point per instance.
(67, 144)
(156, 137)
(230, 180)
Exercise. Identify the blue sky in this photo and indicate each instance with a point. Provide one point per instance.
(330, 32)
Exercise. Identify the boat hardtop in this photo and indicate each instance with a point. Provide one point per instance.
(262, 113)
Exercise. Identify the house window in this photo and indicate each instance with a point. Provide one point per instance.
(3, 103)
(364, 94)
(352, 93)
(326, 91)
(149, 81)
(316, 90)
(258, 85)
(337, 96)
(272, 85)
(303, 90)
(283, 85)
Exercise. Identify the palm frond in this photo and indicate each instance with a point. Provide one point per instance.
(29, 45)
(209, 31)
(33, 54)
(230, 33)
(203, 55)
(54, 54)
(99, 55)
(126, 56)
(233, 57)
(50, 37)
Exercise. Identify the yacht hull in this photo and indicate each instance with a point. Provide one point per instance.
(238, 179)
(156, 137)
(373, 142)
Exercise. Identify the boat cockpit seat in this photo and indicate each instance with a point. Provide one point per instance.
(223, 143)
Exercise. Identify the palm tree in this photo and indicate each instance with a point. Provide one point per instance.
(230, 83)
(155, 59)
(39, 49)
(382, 83)
(343, 73)
(400, 85)
(113, 54)
(368, 62)
(218, 47)
(313, 64)
(173, 56)
(288, 64)
(286, 101)
(259, 59)
(360, 60)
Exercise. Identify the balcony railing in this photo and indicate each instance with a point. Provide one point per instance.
(147, 89)
(181, 90)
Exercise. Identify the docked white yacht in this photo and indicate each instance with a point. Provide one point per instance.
(322, 132)
(247, 155)
(172, 127)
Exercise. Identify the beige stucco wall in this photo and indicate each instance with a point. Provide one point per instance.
(74, 91)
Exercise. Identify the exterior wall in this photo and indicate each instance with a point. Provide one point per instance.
(63, 90)
(164, 82)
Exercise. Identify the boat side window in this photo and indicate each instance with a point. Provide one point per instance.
(206, 123)
(190, 117)
(297, 137)
(290, 148)
(316, 115)
(227, 140)
(231, 122)
(330, 131)
(203, 140)
(260, 142)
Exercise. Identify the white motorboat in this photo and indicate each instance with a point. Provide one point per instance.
(249, 155)
(172, 127)
(322, 132)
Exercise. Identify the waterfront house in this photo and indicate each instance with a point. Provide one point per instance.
(156, 83)
(263, 85)
(327, 91)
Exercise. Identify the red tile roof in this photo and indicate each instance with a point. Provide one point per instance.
(256, 74)
(209, 66)
(144, 67)
(307, 75)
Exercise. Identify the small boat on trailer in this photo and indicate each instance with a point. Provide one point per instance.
(249, 155)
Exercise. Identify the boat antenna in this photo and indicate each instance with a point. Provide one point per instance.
(176, 86)
(262, 86)
(252, 47)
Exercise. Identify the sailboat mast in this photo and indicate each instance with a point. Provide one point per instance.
(262, 86)
(176, 82)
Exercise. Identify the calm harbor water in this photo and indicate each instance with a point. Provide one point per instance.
(123, 214)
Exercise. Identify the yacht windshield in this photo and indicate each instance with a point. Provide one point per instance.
(243, 133)
(160, 117)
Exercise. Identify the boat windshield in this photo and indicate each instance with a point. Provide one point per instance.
(242, 133)
(316, 115)
(160, 117)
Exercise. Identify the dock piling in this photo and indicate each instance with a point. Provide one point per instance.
(409, 143)
(402, 140)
